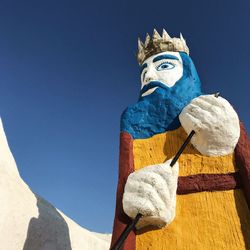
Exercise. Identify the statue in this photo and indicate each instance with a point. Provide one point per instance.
(203, 201)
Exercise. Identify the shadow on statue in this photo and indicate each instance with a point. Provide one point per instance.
(49, 231)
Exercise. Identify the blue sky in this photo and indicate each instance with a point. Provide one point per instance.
(68, 70)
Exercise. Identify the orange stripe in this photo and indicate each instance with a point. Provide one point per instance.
(162, 147)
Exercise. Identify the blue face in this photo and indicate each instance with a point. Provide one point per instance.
(158, 112)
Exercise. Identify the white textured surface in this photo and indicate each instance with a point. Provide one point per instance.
(150, 91)
(29, 222)
(151, 191)
(215, 123)
(167, 76)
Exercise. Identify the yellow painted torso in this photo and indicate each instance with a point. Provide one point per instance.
(204, 220)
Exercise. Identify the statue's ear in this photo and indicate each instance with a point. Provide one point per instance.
(7, 161)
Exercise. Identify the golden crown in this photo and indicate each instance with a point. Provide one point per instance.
(158, 44)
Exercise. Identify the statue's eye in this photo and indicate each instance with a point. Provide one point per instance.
(165, 66)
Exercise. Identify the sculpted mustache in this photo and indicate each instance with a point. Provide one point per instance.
(151, 85)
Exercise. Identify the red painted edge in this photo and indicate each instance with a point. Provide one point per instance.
(242, 158)
(126, 166)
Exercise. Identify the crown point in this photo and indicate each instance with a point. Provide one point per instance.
(182, 39)
(156, 35)
(165, 35)
(140, 44)
(160, 43)
(147, 40)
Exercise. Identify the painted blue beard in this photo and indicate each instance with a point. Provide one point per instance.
(159, 111)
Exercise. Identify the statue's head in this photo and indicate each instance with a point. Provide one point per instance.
(164, 61)
(169, 82)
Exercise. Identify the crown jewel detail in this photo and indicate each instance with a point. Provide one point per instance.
(158, 44)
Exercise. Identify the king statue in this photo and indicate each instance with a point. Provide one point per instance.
(203, 200)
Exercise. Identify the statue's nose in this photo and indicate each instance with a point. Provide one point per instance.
(149, 79)
(150, 75)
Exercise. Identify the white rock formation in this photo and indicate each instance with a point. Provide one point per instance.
(29, 222)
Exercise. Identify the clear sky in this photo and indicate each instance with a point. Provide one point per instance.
(68, 70)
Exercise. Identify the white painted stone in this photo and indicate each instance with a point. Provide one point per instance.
(215, 123)
(150, 91)
(151, 191)
(29, 222)
(166, 71)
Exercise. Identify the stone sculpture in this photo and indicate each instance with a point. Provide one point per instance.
(202, 202)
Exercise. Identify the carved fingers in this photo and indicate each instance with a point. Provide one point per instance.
(151, 191)
(215, 123)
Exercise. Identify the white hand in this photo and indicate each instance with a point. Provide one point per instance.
(215, 123)
(151, 191)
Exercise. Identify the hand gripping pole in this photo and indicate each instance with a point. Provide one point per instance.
(132, 224)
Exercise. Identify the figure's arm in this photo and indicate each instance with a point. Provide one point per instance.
(151, 191)
(215, 123)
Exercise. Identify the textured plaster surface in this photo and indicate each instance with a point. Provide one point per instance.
(192, 227)
(204, 220)
(216, 125)
(126, 166)
(151, 191)
(29, 222)
(242, 157)
(167, 71)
